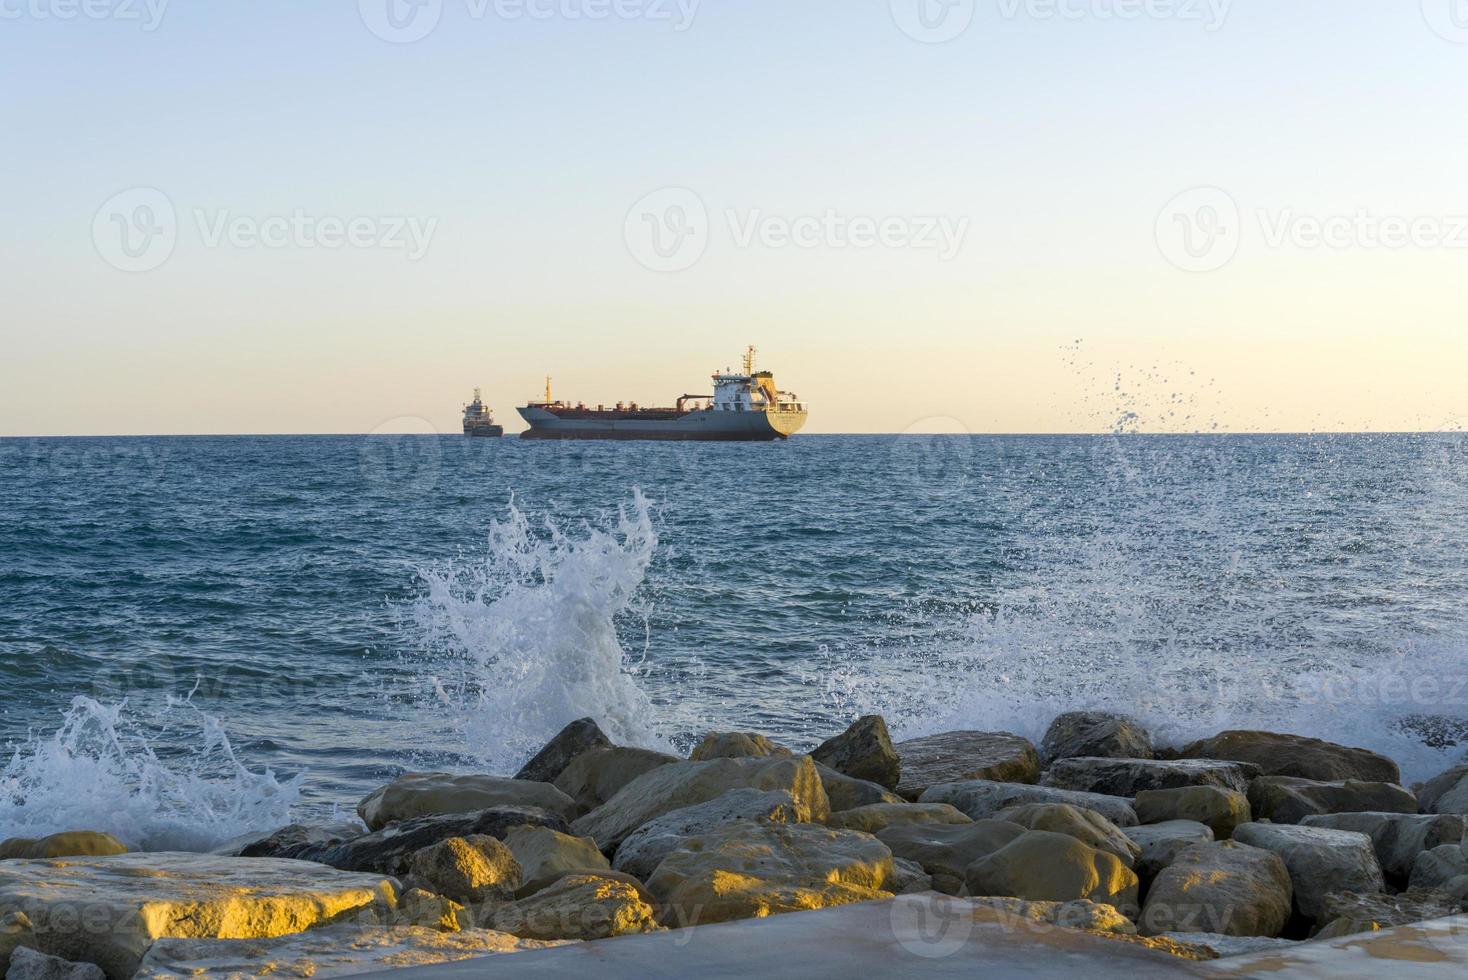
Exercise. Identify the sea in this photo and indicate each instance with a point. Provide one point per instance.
(206, 637)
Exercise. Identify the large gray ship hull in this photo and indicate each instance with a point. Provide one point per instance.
(699, 426)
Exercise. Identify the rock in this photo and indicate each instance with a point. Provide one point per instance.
(15, 930)
(863, 751)
(422, 794)
(578, 907)
(909, 878)
(329, 951)
(387, 851)
(1347, 913)
(736, 745)
(107, 910)
(959, 756)
(1161, 843)
(468, 869)
(680, 784)
(1043, 866)
(545, 855)
(945, 851)
(27, 964)
(1128, 777)
(875, 817)
(1095, 734)
(848, 792)
(1446, 793)
(1289, 799)
(1295, 755)
(750, 869)
(1226, 946)
(417, 907)
(981, 799)
(1225, 888)
(1086, 826)
(1439, 867)
(1397, 837)
(1078, 914)
(1221, 809)
(74, 843)
(642, 852)
(580, 736)
(1320, 861)
(594, 777)
(294, 841)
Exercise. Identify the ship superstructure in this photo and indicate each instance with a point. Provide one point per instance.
(744, 407)
(479, 420)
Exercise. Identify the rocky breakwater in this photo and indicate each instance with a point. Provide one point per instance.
(1243, 841)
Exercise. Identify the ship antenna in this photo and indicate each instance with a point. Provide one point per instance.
(547, 389)
(749, 360)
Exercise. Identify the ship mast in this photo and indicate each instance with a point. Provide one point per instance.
(749, 360)
(547, 389)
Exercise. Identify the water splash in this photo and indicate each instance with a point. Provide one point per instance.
(524, 637)
(98, 771)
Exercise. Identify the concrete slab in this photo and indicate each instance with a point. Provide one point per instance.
(1428, 949)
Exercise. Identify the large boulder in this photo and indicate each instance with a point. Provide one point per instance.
(751, 869)
(957, 756)
(1128, 777)
(677, 785)
(1320, 861)
(876, 817)
(642, 852)
(1224, 888)
(982, 798)
(1397, 837)
(422, 794)
(1445, 793)
(1348, 913)
(74, 843)
(946, 850)
(1086, 826)
(1161, 843)
(1295, 755)
(328, 951)
(580, 736)
(1042, 866)
(109, 910)
(1096, 734)
(863, 751)
(578, 906)
(1290, 799)
(388, 850)
(596, 776)
(1439, 867)
(467, 869)
(27, 964)
(847, 792)
(1221, 809)
(546, 855)
(736, 745)
(1078, 914)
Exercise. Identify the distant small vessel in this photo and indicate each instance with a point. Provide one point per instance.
(479, 420)
(744, 407)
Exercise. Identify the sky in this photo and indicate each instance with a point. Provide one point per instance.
(929, 215)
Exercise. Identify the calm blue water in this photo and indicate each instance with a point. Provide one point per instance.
(201, 635)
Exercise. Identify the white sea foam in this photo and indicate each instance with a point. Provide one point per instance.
(523, 637)
(98, 771)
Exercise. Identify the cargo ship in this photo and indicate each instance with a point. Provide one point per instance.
(479, 420)
(744, 407)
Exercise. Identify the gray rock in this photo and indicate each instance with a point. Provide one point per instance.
(578, 737)
(1221, 809)
(641, 853)
(1288, 799)
(946, 850)
(27, 964)
(863, 751)
(957, 756)
(1347, 913)
(1446, 793)
(981, 798)
(1397, 837)
(1439, 867)
(597, 775)
(1320, 862)
(909, 878)
(879, 816)
(1226, 946)
(388, 850)
(423, 794)
(1095, 734)
(848, 793)
(468, 869)
(1295, 755)
(1128, 777)
(1161, 843)
(293, 841)
(1225, 888)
